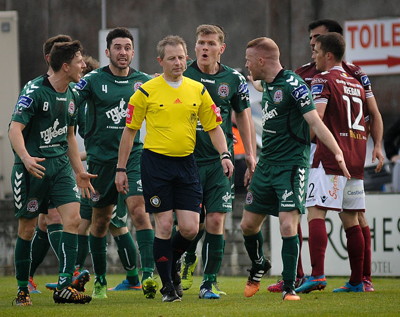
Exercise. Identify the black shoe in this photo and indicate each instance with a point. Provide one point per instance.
(176, 278)
(257, 273)
(70, 295)
(22, 299)
(169, 294)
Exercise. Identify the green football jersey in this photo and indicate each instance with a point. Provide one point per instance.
(107, 98)
(229, 90)
(286, 134)
(46, 114)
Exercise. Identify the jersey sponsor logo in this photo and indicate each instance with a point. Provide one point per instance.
(223, 90)
(31, 88)
(243, 88)
(76, 190)
(292, 205)
(324, 198)
(136, 85)
(300, 92)
(177, 100)
(155, 201)
(139, 185)
(81, 84)
(365, 81)
(129, 113)
(217, 112)
(333, 192)
(317, 89)
(266, 115)
(355, 192)
(278, 96)
(24, 102)
(71, 107)
(117, 113)
(121, 81)
(32, 205)
(53, 132)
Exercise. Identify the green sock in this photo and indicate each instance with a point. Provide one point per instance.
(190, 255)
(83, 250)
(55, 231)
(145, 241)
(67, 257)
(22, 260)
(98, 248)
(290, 254)
(40, 245)
(254, 247)
(127, 254)
(212, 253)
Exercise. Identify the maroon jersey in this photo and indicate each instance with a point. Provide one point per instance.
(344, 116)
(308, 71)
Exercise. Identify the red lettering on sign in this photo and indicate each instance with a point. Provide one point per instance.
(383, 43)
(352, 30)
(365, 36)
(396, 34)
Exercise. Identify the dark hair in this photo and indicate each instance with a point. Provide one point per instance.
(63, 53)
(334, 43)
(118, 32)
(91, 64)
(331, 25)
(60, 38)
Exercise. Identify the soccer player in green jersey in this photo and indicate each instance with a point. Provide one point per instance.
(278, 186)
(106, 92)
(42, 136)
(229, 91)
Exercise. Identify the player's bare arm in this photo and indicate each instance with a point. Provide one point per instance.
(18, 144)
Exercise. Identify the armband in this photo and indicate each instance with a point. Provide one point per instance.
(225, 155)
(120, 169)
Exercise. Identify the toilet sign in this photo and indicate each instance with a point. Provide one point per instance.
(374, 45)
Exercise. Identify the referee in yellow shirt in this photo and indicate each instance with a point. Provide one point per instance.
(171, 104)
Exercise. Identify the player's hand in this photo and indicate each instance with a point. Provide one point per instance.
(33, 167)
(377, 154)
(248, 175)
(342, 164)
(83, 182)
(251, 163)
(228, 167)
(121, 182)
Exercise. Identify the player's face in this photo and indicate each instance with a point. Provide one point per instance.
(120, 52)
(208, 50)
(319, 57)
(252, 63)
(76, 67)
(173, 63)
(314, 33)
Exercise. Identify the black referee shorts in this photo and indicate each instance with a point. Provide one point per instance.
(170, 182)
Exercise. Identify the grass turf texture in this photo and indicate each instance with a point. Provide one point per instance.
(383, 302)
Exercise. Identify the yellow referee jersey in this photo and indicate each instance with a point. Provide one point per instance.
(171, 115)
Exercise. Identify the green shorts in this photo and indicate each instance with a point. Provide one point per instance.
(216, 188)
(32, 195)
(86, 209)
(104, 184)
(120, 213)
(277, 188)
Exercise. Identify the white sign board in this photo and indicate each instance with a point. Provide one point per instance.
(374, 45)
(103, 59)
(383, 215)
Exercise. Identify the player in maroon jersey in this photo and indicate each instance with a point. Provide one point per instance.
(341, 102)
(372, 116)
